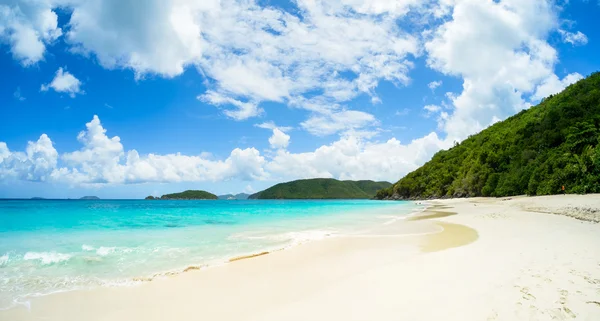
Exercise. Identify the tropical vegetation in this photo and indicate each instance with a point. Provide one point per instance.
(322, 188)
(186, 195)
(538, 151)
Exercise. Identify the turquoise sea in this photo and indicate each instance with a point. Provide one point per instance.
(49, 246)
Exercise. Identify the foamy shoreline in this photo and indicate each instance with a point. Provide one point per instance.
(495, 259)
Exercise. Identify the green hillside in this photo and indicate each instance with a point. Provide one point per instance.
(187, 195)
(322, 188)
(535, 152)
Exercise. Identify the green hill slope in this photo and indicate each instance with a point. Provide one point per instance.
(188, 195)
(321, 188)
(535, 152)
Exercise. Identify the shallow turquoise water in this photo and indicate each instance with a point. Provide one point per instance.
(56, 245)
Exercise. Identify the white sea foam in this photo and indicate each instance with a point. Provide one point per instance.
(86, 247)
(104, 251)
(297, 237)
(4, 260)
(47, 258)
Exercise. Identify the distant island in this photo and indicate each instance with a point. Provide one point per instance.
(89, 198)
(240, 196)
(322, 188)
(37, 198)
(186, 195)
(551, 148)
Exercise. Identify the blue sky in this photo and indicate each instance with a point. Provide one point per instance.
(112, 99)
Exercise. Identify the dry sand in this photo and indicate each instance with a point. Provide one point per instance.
(481, 259)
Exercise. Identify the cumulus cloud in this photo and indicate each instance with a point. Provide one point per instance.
(576, 39)
(317, 56)
(354, 158)
(64, 82)
(102, 160)
(35, 164)
(28, 26)
(552, 85)
(249, 52)
(279, 139)
(500, 51)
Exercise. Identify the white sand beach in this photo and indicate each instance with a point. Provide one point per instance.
(492, 259)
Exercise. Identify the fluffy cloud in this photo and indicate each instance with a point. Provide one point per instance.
(249, 53)
(432, 108)
(576, 39)
(552, 85)
(317, 56)
(279, 139)
(35, 164)
(354, 158)
(244, 110)
(102, 160)
(162, 38)
(64, 82)
(499, 50)
(28, 26)
(335, 122)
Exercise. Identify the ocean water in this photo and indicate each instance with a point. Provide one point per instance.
(48, 246)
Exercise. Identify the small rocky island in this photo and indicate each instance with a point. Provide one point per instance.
(186, 195)
(89, 198)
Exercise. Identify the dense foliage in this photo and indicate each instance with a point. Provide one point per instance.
(321, 188)
(188, 195)
(535, 152)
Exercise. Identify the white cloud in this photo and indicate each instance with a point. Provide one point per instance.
(432, 108)
(317, 57)
(353, 158)
(162, 38)
(335, 122)
(552, 85)
(28, 26)
(271, 125)
(244, 110)
(434, 84)
(279, 139)
(35, 164)
(500, 51)
(576, 39)
(102, 160)
(64, 82)
(249, 53)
